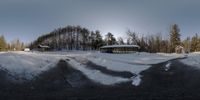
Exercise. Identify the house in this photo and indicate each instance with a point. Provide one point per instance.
(27, 49)
(119, 48)
(179, 49)
(43, 47)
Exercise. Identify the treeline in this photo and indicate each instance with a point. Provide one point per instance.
(149, 43)
(15, 45)
(70, 38)
(79, 38)
(156, 42)
(193, 43)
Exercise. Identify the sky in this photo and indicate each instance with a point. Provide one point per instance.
(28, 19)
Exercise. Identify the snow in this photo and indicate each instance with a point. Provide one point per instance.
(118, 65)
(137, 58)
(193, 59)
(26, 65)
(136, 80)
(115, 46)
(134, 63)
(29, 64)
(98, 76)
(167, 66)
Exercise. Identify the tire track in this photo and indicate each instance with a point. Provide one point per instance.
(104, 70)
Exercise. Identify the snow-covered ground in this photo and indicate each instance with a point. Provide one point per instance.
(96, 75)
(193, 59)
(30, 64)
(26, 65)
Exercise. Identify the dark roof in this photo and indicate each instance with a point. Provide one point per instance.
(43, 46)
(121, 46)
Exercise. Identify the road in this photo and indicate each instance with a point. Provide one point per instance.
(66, 83)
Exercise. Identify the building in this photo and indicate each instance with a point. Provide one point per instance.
(119, 49)
(179, 49)
(27, 49)
(43, 48)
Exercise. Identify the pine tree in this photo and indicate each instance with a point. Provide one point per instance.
(3, 43)
(92, 40)
(143, 44)
(187, 44)
(174, 37)
(198, 45)
(158, 40)
(85, 38)
(110, 39)
(99, 40)
(194, 43)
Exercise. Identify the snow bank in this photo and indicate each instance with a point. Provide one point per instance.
(26, 65)
(192, 59)
(137, 58)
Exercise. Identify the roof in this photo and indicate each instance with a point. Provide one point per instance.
(43, 46)
(179, 46)
(121, 46)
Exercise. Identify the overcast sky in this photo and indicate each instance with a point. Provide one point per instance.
(28, 19)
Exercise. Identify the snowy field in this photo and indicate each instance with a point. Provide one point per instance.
(28, 65)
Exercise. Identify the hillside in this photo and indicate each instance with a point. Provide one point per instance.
(70, 38)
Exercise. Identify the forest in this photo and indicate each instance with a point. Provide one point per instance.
(80, 38)
(14, 45)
